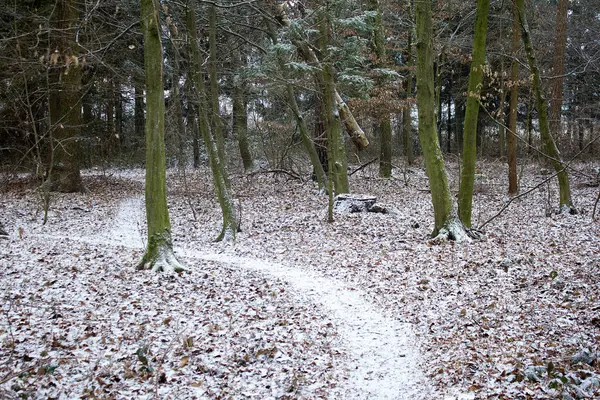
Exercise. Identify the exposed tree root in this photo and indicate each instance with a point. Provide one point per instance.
(159, 256)
(455, 230)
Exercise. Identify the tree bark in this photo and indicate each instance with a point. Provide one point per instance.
(336, 154)
(565, 202)
(465, 194)
(444, 214)
(220, 178)
(512, 113)
(159, 252)
(240, 116)
(558, 70)
(65, 102)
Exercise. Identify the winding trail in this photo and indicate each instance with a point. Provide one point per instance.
(384, 358)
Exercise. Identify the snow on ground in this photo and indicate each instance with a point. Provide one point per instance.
(276, 314)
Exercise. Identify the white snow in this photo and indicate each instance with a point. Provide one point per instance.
(384, 357)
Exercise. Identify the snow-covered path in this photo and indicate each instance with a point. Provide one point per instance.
(385, 360)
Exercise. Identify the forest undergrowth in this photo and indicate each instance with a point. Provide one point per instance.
(515, 315)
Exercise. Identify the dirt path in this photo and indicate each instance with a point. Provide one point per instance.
(384, 358)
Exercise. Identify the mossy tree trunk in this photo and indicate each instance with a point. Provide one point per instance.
(511, 149)
(446, 220)
(159, 252)
(65, 100)
(338, 168)
(549, 145)
(465, 194)
(220, 178)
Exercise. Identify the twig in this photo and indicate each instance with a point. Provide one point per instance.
(363, 166)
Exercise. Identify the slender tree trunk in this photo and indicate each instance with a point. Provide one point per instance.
(556, 83)
(465, 194)
(446, 220)
(512, 113)
(565, 202)
(65, 101)
(220, 178)
(159, 252)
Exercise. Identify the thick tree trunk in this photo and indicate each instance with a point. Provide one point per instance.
(512, 113)
(444, 213)
(558, 70)
(565, 202)
(65, 101)
(159, 252)
(220, 178)
(338, 169)
(465, 194)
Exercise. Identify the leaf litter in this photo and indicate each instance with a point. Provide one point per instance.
(512, 316)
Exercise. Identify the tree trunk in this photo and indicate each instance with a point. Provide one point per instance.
(65, 101)
(465, 195)
(240, 116)
(558, 70)
(338, 169)
(384, 124)
(159, 252)
(220, 178)
(565, 202)
(445, 217)
(512, 113)
(406, 112)
(216, 122)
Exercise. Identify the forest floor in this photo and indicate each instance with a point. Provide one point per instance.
(365, 307)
